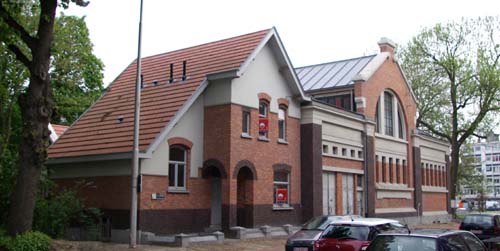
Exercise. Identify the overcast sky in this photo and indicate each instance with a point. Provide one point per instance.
(312, 31)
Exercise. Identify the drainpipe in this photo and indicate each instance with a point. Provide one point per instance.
(365, 169)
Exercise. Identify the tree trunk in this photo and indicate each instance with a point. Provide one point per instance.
(36, 105)
(36, 109)
(455, 157)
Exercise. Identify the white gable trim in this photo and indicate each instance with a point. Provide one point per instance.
(375, 64)
(372, 67)
(273, 33)
(53, 134)
(166, 130)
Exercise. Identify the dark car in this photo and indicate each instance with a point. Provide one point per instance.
(338, 233)
(427, 240)
(484, 226)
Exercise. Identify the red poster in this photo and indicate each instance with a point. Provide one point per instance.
(263, 124)
(282, 195)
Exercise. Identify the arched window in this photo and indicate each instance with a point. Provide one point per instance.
(389, 116)
(177, 168)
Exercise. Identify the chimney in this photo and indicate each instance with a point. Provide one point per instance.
(171, 78)
(387, 45)
(184, 70)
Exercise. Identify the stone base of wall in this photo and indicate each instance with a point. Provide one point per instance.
(425, 219)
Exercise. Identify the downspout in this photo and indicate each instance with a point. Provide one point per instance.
(365, 169)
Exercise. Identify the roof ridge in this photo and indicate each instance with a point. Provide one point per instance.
(203, 44)
(337, 61)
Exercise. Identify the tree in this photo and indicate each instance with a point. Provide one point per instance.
(31, 47)
(468, 176)
(76, 73)
(455, 74)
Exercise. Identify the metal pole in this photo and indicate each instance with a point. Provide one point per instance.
(135, 164)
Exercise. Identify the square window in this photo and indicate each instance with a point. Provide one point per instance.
(360, 154)
(325, 148)
(344, 152)
(335, 150)
(353, 154)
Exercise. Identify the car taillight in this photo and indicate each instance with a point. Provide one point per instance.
(460, 226)
(315, 245)
(495, 230)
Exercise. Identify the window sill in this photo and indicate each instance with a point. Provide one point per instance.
(174, 190)
(260, 138)
(246, 136)
(282, 141)
(282, 208)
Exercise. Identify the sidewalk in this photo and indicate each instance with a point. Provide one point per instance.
(229, 244)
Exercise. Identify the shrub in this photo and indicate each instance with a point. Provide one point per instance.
(29, 241)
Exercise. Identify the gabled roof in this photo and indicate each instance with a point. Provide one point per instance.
(56, 131)
(333, 74)
(99, 130)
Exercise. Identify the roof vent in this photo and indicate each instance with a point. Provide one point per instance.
(184, 77)
(171, 78)
(119, 120)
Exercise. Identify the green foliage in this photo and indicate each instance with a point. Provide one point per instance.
(29, 241)
(76, 72)
(454, 70)
(53, 216)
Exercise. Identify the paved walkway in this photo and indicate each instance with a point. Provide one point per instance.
(276, 244)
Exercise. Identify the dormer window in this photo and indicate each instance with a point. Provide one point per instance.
(389, 116)
(344, 101)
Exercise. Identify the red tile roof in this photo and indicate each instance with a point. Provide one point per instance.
(59, 129)
(98, 131)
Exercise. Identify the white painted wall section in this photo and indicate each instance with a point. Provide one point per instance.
(91, 169)
(189, 127)
(262, 75)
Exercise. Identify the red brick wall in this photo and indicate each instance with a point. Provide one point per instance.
(344, 163)
(389, 76)
(434, 201)
(264, 154)
(196, 198)
(393, 203)
(106, 192)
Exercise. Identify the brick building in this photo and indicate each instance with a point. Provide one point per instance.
(232, 135)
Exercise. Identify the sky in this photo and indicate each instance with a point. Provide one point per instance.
(312, 31)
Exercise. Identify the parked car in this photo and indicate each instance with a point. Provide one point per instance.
(484, 226)
(339, 233)
(427, 240)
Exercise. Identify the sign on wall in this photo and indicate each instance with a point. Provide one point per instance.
(282, 195)
(263, 124)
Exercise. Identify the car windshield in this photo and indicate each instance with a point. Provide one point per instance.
(402, 243)
(483, 220)
(347, 232)
(317, 223)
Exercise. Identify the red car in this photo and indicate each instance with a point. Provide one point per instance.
(328, 233)
(353, 235)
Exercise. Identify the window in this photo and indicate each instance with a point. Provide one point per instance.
(177, 168)
(245, 123)
(335, 150)
(344, 101)
(353, 154)
(384, 179)
(388, 114)
(281, 188)
(263, 112)
(281, 124)
(391, 171)
(360, 154)
(344, 152)
(325, 148)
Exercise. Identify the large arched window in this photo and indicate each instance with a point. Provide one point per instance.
(389, 116)
(177, 168)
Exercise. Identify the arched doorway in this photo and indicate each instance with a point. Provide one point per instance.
(214, 171)
(244, 200)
